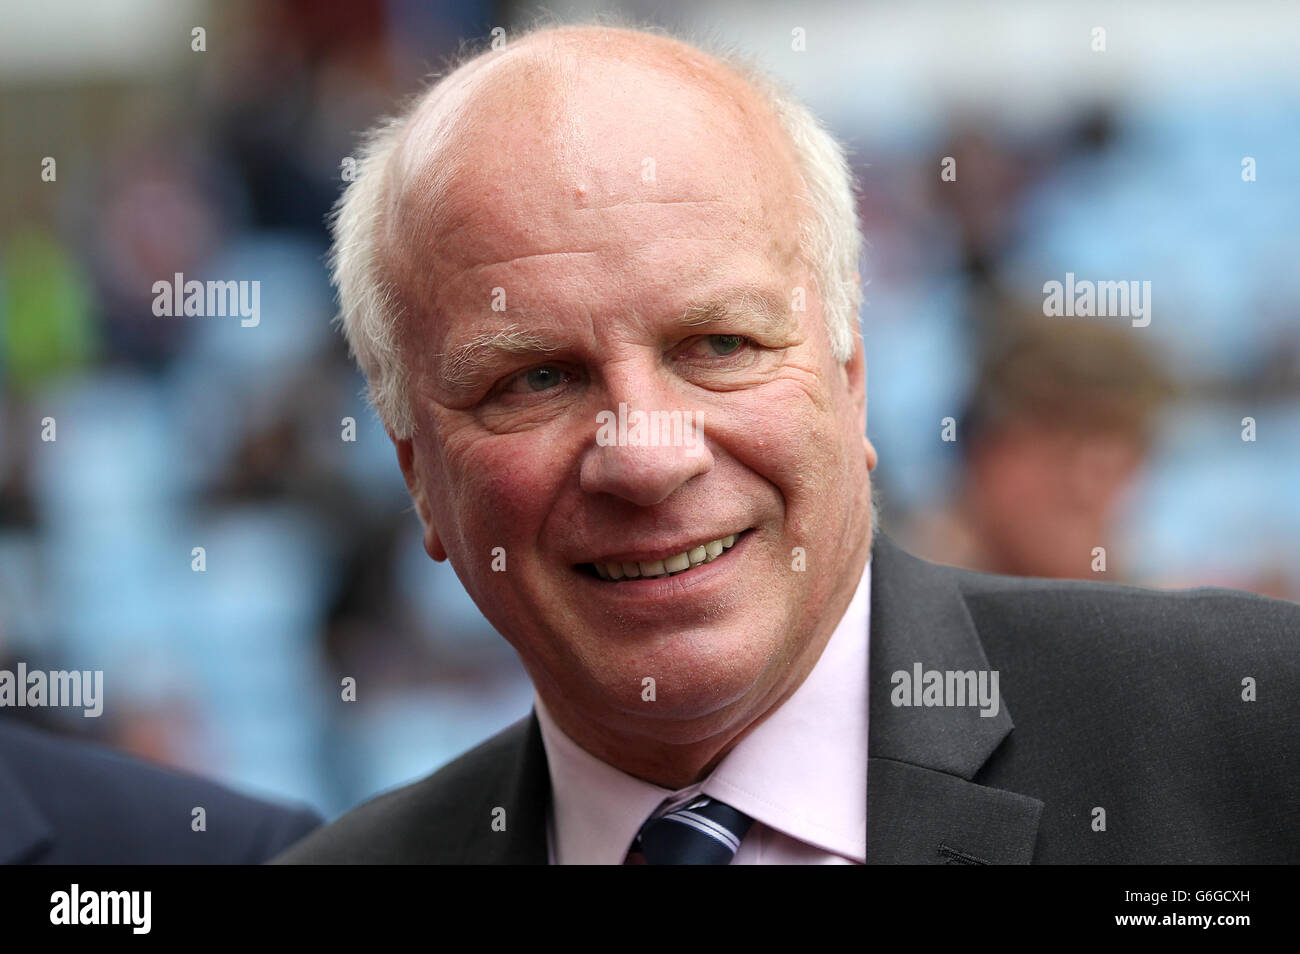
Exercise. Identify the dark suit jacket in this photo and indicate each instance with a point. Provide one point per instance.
(64, 802)
(1124, 699)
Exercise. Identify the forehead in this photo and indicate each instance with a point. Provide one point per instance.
(525, 152)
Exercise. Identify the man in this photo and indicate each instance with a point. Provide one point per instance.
(591, 224)
(64, 802)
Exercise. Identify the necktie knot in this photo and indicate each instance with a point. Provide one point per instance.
(704, 831)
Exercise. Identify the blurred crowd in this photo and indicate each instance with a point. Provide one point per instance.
(1008, 441)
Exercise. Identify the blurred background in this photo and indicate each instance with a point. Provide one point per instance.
(1008, 440)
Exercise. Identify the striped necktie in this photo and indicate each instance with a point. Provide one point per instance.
(704, 831)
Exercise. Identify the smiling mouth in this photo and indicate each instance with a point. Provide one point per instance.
(675, 565)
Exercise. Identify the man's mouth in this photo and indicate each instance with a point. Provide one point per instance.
(695, 556)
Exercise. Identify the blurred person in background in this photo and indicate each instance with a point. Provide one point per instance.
(1057, 427)
(67, 802)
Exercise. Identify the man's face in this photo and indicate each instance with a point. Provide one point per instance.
(595, 217)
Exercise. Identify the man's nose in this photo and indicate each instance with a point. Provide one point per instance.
(643, 454)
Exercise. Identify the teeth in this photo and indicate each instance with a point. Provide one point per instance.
(696, 556)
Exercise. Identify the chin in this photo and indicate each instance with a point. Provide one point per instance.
(692, 689)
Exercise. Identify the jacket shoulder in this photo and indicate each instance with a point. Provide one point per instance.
(1220, 623)
(104, 807)
(430, 821)
(1199, 652)
(1173, 710)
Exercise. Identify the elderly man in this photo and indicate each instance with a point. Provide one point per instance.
(595, 222)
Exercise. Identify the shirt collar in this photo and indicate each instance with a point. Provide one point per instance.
(802, 771)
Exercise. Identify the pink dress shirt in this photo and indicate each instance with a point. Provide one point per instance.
(801, 775)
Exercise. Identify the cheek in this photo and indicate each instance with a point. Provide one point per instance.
(499, 489)
(781, 435)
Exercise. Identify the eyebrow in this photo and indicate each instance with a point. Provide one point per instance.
(770, 310)
(463, 365)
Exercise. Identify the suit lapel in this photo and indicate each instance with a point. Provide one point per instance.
(922, 805)
(521, 786)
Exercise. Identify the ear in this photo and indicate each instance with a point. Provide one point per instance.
(855, 379)
(415, 486)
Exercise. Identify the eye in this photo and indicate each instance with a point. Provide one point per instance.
(716, 346)
(543, 378)
(540, 379)
(723, 345)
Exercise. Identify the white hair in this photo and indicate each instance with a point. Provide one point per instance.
(830, 240)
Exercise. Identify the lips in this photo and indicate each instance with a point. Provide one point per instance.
(698, 554)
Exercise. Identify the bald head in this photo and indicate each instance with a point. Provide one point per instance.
(597, 116)
(597, 122)
(546, 81)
